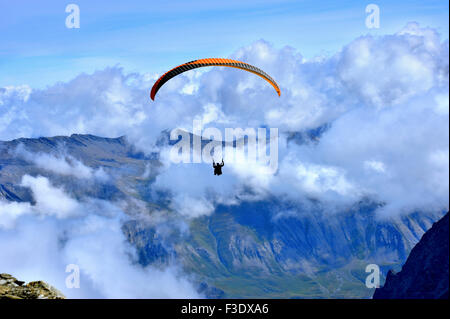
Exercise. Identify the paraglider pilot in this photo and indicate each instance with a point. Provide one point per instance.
(218, 167)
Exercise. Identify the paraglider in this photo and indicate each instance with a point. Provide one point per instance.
(218, 167)
(211, 62)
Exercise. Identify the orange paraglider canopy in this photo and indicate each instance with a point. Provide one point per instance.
(211, 62)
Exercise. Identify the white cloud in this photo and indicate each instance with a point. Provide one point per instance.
(387, 101)
(87, 233)
(61, 163)
(50, 199)
(191, 206)
(10, 211)
(385, 98)
(377, 166)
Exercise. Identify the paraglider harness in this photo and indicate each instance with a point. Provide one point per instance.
(218, 168)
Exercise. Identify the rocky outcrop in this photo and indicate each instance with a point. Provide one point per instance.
(12, 288)
(425, 274)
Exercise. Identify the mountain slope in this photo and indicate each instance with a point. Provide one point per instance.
(247, 252)
(425, 274)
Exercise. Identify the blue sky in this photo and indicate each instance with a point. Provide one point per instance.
(150, 36)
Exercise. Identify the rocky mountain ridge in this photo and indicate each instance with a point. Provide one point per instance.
(12, 288)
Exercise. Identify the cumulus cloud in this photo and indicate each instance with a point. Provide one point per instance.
(389, 70)
(10, 211)
(60, 230)
(61, 163)
(191, 206)
(385, 99)
(49, 199)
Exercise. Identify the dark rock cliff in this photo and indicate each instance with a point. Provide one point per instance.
(425, 274)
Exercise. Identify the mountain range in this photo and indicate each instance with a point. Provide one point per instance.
(246, 250)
